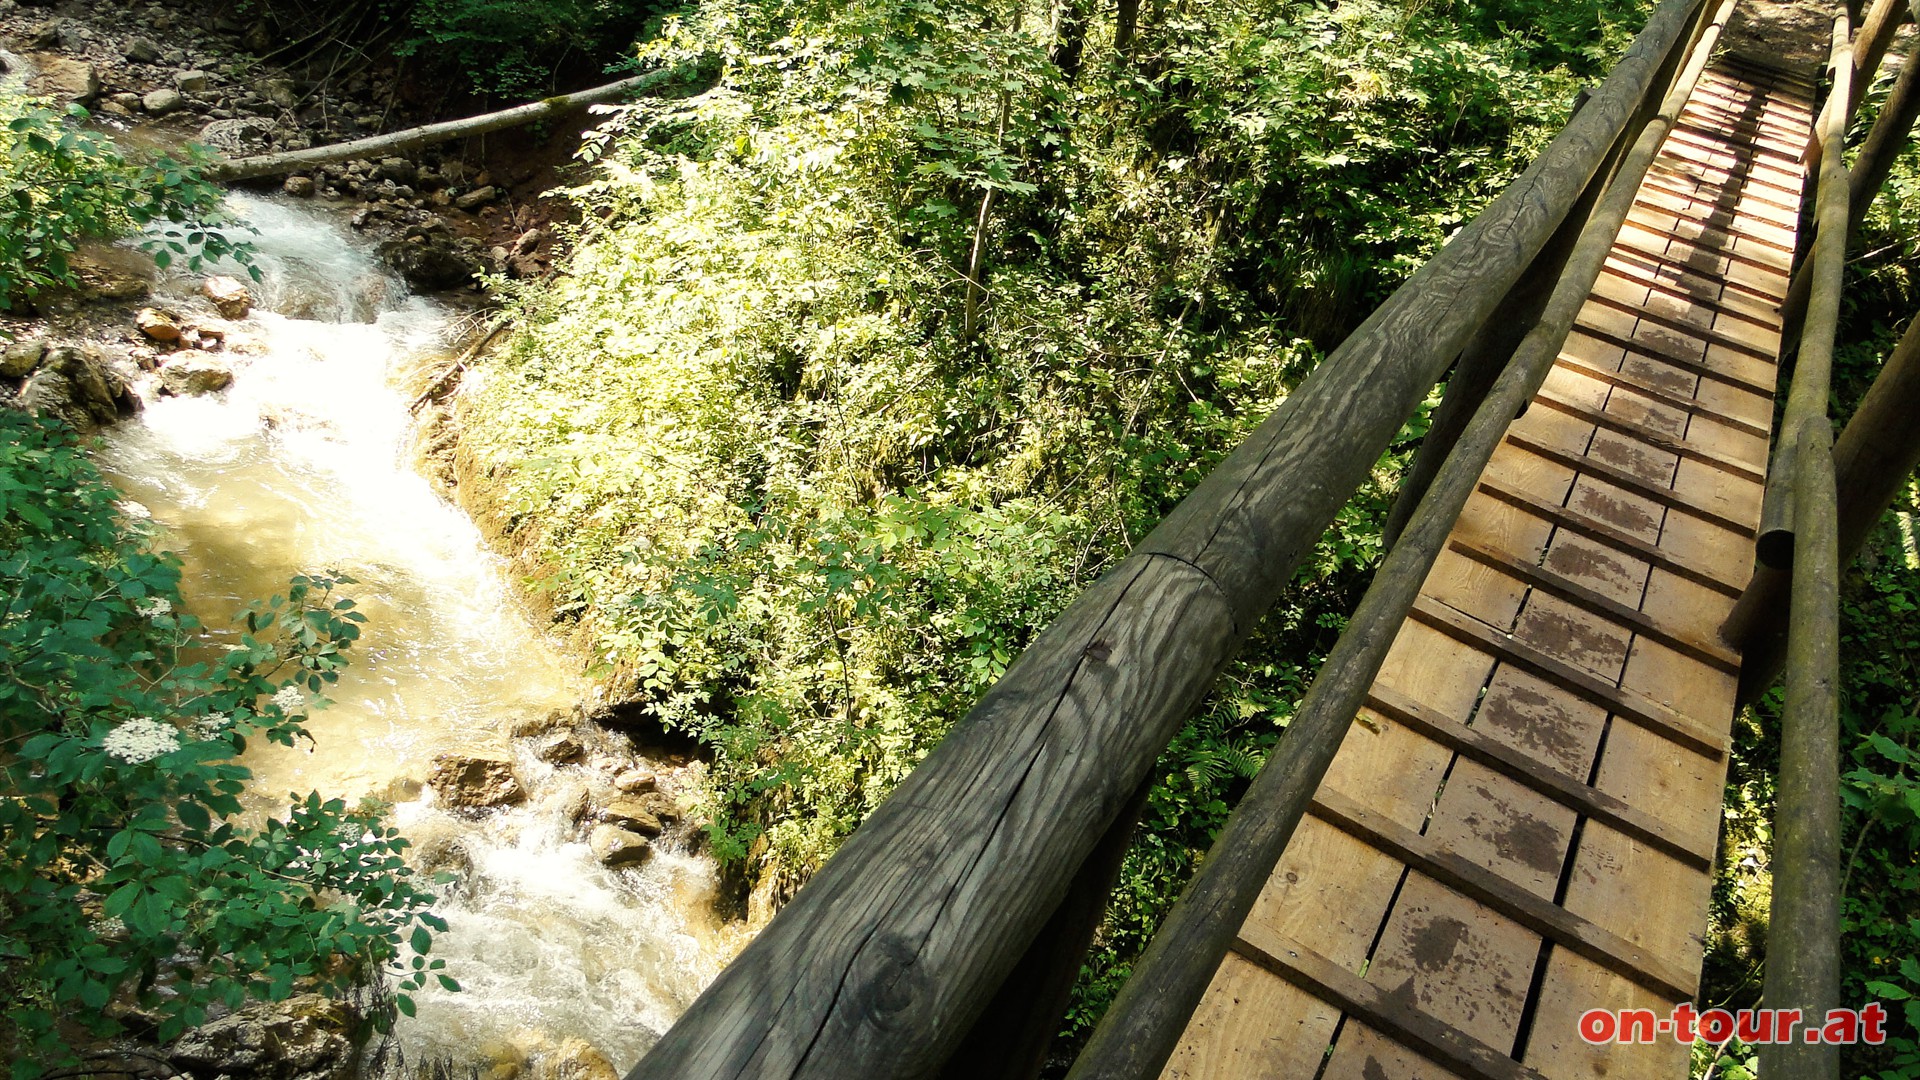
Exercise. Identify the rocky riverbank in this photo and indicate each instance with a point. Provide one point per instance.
(161, 76)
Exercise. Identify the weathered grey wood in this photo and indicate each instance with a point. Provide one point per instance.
(1378, 1007)
(400, 142)
(1144, 1024)
(1873, 458)
(1011, 1039)
(884, 961)
(1813, 372)
(1803, 935)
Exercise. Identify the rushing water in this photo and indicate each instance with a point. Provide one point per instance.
(304, 464)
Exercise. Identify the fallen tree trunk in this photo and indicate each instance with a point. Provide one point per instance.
(400, 142)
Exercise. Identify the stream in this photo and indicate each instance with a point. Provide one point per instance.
(306, 463)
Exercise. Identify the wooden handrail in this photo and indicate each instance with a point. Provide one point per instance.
(1143, 1026)
(1803, 937)
(884, 961)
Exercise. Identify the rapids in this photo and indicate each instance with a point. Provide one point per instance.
(305, 463)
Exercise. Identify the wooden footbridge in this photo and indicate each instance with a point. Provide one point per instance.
(1498, 807)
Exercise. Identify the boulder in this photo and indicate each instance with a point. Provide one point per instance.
(111, 273)
(162, 101)
(632, 812)
(527, 727)
(477, 198)
(429, 265)
(300, 187)
(21, 357)
(192, 82)
(617, 847)
(305, 1036)
(79, 387)
(238, 136)
(397, 169)
(66, 80)
(228, 295)
(191, 374)
(661, 805)
(281, 93)
(635, 782)
(142, 51)
(156, 324)
(560, 748)
(466, 782)
(574, 1059)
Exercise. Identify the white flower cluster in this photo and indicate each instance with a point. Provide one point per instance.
(211, 725)
(290, 699)
(155, 607)
(141, 740)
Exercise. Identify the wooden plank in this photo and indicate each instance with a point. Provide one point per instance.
(1626, 481)
(1543, 917)
(1692, 405)
(1378, 1008)
(1661, 348)
(1665, 443)
(1462, 963)
(1619, 701)
(1252, 1023)
(1574, 984)
(1586, 525)
(1639, 622)
(1366, 1054)
(1725, 337)
(1588, 801)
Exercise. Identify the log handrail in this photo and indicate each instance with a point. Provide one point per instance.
(1143, 1026)
(1799, 529)
(884, 961)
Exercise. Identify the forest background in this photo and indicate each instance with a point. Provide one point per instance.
(900, 320)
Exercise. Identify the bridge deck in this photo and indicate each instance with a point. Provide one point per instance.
(1523, 823)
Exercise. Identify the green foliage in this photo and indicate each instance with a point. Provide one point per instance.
(513, 48)
(63, 184)
(130, 874)
(797, 498)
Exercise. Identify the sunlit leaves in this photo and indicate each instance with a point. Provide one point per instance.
(65, 184)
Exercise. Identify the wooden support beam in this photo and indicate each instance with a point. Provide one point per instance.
(1823, 271)
(1890, 134)
(1803, 935)
(1873, 458)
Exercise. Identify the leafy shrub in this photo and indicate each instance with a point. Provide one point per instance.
(129, 875)
(64, 184)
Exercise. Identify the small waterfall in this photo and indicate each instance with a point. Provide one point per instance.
(304, 464)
